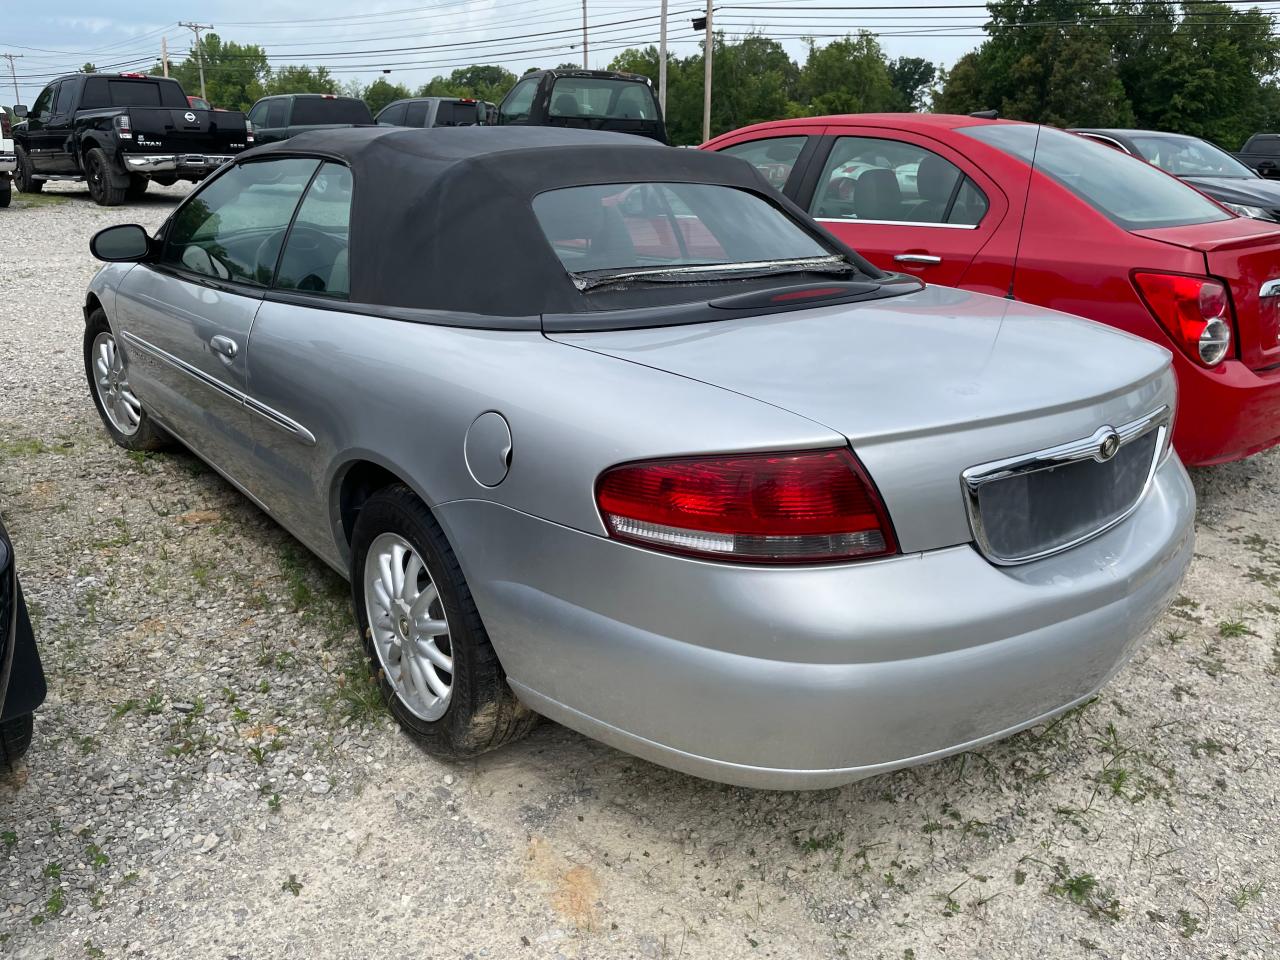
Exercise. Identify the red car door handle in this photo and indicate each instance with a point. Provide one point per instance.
(917, 258)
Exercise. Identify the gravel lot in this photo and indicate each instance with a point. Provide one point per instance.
(212, 775)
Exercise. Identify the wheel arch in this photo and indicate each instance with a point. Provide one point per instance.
(354, 481)
(92, 302)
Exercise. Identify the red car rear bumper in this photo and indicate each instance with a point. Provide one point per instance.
(1226, 413)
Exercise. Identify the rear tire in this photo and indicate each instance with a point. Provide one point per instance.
(25, 177)
(137, 187)
(479, 713)
(98, 175)
(6, 192)
(15, 739)
(109, 387)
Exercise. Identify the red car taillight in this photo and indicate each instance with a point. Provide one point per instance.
(1194, 310)
(806, 507)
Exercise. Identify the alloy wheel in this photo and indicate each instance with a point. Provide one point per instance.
(408, 626)
(111, 382)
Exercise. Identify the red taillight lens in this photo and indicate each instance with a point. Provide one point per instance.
(1194, 310)
(807, 507)
(124, 128)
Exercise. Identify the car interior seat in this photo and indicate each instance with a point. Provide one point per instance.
(935, 181)
(877, 196)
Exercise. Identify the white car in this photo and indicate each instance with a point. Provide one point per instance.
(8, 162)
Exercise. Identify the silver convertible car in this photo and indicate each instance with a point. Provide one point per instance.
(615, 434)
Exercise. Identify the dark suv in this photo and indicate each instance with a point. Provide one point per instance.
(588, 99)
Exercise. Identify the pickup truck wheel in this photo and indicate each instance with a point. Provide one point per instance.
(98, 175)
(434, 663)
(15, 739)
(137, 187)
(120, 409)
(6, 192)
(26, 181)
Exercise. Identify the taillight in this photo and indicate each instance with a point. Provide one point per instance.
(806, 507)
(5, 129)
(1195, 311)
(248, 131)
(123, 127)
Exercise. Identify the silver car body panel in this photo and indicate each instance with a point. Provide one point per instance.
(767, 676)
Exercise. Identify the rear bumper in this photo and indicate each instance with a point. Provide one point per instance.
(1224, 414)
(807, 678)
(179, 163)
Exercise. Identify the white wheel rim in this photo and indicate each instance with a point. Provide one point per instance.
(408, 626)
(111, 383)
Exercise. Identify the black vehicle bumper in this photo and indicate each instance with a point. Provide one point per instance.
(22, 684)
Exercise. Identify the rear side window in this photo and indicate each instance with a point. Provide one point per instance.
(416, 114)
(611, 99)
(1128, 191)
(519, 101)
(872, 179)
(315, 258)
(309, 111)
(1267, 146)
(630, 226)
(278, 113)
(775, 157)
(233, 228)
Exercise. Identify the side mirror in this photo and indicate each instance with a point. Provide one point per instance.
(20, 111)
(124, 243)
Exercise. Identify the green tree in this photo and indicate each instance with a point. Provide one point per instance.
(911, 78)
(846, 76)
(483, 82)
(235, 74)
(380, 93)
(300, 79)
(88, 68)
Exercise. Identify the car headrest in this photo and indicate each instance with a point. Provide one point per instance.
(936, 178)
(877, 196)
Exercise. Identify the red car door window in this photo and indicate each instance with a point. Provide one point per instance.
(903, 205)
(774, 157)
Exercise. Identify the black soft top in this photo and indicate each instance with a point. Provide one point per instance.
(442, 218)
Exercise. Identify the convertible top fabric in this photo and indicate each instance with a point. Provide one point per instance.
(442, 219)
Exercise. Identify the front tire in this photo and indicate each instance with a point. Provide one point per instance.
(120, 409)
(15, 739)
(25, 177)
(98, 176)
(437, 670)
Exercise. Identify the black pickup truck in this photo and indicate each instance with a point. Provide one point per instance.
(587, 99)
(1262, 153)
(120, 131)
(281, 117)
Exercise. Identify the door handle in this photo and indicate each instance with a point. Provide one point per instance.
(917, 258)
(225, 346)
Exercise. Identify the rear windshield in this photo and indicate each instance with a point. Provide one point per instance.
(1133, 194)
(1189, 157)
(610, 99)
(629, 226)
(309, 111)
(455, 113)
(111, 92)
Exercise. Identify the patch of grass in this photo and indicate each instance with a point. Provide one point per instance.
(1234, 628)
(22, 447)
(1085, 891)
(292, 885)
(154, 705)
(24, 201)
(1208, 746)
(1188, 925)
(1246, 894)
(122, 708)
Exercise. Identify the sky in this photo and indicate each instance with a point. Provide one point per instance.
(434, 37)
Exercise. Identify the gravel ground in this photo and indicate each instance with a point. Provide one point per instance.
(213, 777)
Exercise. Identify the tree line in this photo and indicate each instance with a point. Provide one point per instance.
(1200, 67)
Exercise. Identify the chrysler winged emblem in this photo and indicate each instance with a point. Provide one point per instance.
(1108, 446)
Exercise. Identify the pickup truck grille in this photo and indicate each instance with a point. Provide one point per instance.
(1029, 507)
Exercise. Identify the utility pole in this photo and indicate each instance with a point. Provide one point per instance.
(13, 73)
(585, 65)
(164, 54)
(706, 77)
(196, 28)
(662, 61)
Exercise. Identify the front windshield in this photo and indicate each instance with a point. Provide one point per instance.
(1132, 194)
(1189, 157)
(639, 226)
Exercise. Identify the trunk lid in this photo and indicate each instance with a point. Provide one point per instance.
(924, 386)
(190, 131)
(1245, 254)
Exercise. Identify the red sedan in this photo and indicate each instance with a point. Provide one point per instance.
(961, 201)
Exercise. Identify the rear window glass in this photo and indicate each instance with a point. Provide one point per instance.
(628, 226)
(611, 99)
(1189, 157)
(1132, 193)
(109, 92)
(454, 113)
(309, 111)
